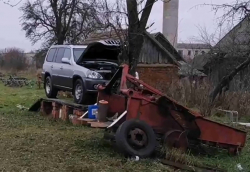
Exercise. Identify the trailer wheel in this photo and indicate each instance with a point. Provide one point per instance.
(135, 138)
(176, 139)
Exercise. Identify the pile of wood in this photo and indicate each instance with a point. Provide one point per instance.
(14, 81)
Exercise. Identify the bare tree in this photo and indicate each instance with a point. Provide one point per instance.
(11, 3)
(129, 21)
(236, 43)
(57, 21)
(226, 79)
(137, 22)
(114, 22)
(205, 37)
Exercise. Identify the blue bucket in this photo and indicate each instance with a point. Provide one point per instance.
(92, 111)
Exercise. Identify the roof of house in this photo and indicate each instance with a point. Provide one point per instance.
(162, 47)
(189, 70)
(200, 61)
(193, 46)
(106, 35)
(238, 26)
(167, 45)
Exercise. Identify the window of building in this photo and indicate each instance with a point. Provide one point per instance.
(59, 55)
(203, 52)
(180, 52)
(51, 55)
(189, 52)
(196, 52)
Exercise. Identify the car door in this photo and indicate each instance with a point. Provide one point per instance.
(57, 67)
(67, 70)
(49, 64)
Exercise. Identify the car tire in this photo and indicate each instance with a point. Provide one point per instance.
(80, 96)
(50, 91)
(127, 147)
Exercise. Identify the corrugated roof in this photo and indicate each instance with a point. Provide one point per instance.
(200, 61)
(188, 70)
(107, 35)
(193, 46)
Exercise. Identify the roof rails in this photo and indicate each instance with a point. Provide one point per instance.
(110, 42)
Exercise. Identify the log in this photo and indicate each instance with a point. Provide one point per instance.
(227, 79)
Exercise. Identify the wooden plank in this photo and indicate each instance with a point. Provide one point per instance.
(36, 106)
(100, 124)
(87, 120)
(79, 121)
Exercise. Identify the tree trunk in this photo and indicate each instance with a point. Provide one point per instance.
(61, 38)
(227, 79)
(136, 31)
(135, 49)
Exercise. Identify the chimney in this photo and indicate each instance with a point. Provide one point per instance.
(170, 21)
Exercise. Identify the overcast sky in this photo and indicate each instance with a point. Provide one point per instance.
(190, 17)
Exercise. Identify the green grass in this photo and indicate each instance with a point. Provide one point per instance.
(30, 142)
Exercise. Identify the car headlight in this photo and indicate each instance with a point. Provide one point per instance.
(94, 75)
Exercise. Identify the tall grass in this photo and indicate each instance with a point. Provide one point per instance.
(196, 96)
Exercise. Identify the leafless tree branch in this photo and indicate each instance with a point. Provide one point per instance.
(8, 2)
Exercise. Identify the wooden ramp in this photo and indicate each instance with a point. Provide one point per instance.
(66, 111)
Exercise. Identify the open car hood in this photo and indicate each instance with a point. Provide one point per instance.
(101, 50)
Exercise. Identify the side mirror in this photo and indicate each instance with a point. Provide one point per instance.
(66, 60)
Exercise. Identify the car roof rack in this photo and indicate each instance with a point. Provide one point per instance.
(110, 42)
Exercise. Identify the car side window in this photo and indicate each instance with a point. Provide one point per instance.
(67, 53)
(59, 55)
(51, 55)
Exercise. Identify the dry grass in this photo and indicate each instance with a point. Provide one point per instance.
(30, 73)
(198, 98)
(176, 155)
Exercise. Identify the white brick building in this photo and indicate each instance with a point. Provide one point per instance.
(189, 51)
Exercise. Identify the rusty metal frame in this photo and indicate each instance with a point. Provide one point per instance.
(141, 101)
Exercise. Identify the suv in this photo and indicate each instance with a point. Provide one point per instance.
(79, 69)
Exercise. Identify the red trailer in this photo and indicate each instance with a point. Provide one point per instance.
(148, 114)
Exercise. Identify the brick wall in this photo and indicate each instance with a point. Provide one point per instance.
(159, 76)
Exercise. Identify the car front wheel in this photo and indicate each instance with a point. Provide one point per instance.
(80, 96)
(50, 91)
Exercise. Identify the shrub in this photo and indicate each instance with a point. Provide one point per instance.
(13, 59)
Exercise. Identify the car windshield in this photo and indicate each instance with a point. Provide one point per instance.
(77, 53)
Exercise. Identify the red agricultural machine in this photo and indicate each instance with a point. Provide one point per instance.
(146, 114)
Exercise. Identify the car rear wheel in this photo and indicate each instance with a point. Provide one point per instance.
(80, 96)
(50, 91)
